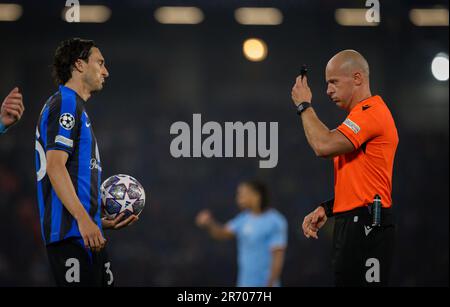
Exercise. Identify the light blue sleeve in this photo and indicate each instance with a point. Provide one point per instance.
(278, 235)
(235, 224)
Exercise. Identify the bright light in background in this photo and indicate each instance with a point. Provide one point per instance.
(439, 66)
(10, 12)
(92, 13)
(179, 15)
(429, 17)
(258, 16)
(353, 17)
(255, 49)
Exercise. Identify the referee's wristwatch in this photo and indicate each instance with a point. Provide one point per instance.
(302, 107)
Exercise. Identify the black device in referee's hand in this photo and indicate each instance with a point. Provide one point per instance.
(303, 105)
(303, 71)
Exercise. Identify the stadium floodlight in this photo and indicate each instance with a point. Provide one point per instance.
(258, 16)
(179, 15)
(10, 12)
(89, 14)
(439, 66)
(437, 17)
(255, 49)
(353, 17)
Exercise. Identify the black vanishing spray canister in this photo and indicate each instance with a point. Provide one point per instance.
(376, 211)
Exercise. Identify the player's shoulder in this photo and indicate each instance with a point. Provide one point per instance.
(52, 104)
(54, 99)
(241, 215)
(239, 218)
(276, 215)
(60, 101)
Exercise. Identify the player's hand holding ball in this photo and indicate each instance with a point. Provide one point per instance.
(119, 222)
(123, 199)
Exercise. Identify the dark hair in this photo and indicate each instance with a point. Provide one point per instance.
(67, 53)
(262, 190)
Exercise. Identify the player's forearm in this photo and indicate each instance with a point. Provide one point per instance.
(277, 265)
(217, 231)
(64, 189)
(316, 132)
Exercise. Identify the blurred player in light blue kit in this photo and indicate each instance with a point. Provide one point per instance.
(261, 234)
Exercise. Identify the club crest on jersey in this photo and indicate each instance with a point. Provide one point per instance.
(67, 121)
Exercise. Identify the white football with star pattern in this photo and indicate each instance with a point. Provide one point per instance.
(122, 193)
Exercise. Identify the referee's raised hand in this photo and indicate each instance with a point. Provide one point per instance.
(301, 91)
(313, 222)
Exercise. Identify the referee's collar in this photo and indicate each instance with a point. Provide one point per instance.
(370, 100)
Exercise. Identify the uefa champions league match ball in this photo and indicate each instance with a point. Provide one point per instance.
(122, 193)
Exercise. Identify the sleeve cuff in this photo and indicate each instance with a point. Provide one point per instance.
(59, 147)
(278, 246)
(349, 135)
(328, 206)
(3, 128)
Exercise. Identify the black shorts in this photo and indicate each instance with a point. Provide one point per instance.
(75, 266)
(362, 255)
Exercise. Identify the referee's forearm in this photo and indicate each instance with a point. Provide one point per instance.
(316, 132)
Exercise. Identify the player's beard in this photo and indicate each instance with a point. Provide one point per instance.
(95, 83)
(100, 86)
(97, 86)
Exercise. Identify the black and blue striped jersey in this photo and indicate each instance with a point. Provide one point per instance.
(64, 125)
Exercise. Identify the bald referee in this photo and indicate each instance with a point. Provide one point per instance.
(363, 149)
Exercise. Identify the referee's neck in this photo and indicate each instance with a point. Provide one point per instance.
(358, 97)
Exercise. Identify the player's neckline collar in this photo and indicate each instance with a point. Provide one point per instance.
(68, 89)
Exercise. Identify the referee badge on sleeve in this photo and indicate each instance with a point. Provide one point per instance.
(352, 125)
(67, 121)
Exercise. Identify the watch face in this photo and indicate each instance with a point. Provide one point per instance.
(301, 107)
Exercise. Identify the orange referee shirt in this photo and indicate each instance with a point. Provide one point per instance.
(366, 171)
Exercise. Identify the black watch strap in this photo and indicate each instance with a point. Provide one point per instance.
(302, 107)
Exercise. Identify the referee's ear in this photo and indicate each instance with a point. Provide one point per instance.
(358, 78)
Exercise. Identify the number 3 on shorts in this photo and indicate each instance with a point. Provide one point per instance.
(110, 274)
